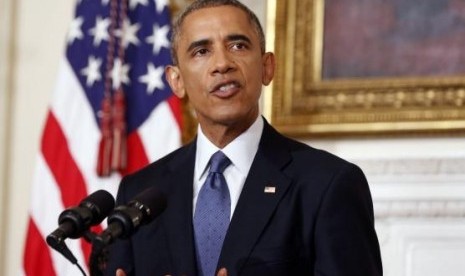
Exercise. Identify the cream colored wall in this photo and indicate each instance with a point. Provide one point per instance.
(40, 28)
(5, 47)
(39, 35)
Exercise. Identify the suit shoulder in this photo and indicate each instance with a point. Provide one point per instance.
(322, 160)
(301, 156)
(166, 161)
(154, 174)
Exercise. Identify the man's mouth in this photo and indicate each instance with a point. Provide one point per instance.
(226, 89)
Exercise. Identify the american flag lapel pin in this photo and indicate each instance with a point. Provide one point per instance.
(270, 190)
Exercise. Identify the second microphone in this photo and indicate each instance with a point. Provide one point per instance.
(126, 219)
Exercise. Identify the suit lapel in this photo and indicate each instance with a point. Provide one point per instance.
(179, 213)
(263, 189)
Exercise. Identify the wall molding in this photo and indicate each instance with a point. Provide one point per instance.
(419, 208)
(417, 187)
(413, 166)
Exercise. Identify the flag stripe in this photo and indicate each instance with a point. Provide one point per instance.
(45, 208)
(61, 163)
(138, 157)
(65, 171)
(35, 243)
(161, 120)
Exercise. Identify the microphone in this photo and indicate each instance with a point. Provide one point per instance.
(126, 219)
(75, 221)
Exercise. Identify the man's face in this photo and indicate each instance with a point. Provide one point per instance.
(220, 66)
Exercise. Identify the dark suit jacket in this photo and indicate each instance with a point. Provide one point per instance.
(319, 221)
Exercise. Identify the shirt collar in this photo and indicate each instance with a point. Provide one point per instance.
(241, 151)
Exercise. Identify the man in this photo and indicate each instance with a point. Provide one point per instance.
(291, 209)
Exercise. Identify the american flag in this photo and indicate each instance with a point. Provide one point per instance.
(112, 45)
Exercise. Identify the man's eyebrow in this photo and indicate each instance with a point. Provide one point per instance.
(198, 43)
(205, 42)
(236, 37)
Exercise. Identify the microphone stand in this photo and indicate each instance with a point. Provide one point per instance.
(98, 258)
(60, 246)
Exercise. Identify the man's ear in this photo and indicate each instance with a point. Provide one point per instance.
(174, 79)
(269, 64)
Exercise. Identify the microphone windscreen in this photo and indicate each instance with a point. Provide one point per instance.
(101, 203)
(152, 201)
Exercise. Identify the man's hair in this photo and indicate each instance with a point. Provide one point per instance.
(202, 4)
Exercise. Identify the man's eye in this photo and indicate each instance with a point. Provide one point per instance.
(200, 52)
(239, 46)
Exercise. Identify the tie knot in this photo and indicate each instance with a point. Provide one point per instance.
(219, 162)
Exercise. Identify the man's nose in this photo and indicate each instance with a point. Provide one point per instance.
(223, 62)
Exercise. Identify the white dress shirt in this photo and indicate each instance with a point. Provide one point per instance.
(241, 151)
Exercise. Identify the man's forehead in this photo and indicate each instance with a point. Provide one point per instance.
(207, 14)
(199, 24)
